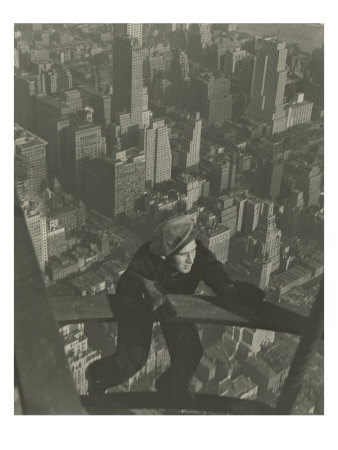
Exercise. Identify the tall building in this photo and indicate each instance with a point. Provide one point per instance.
(83, 141)
(159, 60)
(252, 339)
(56, 238)
(299, 111)
(227, 212)
(78, 354)
(179, 69)
(199, 39)
(21, 180)
(67, 212)
(131, 29)
(31, 149)
(112, 186)
(217, 240)
(99, 102)
(292, 213)
(269, 177)
(231, 59)
(179, 76)
(55, 78)
(225, 46)
(314, 82)
(268, 85)
(211, 96)
(128, 79)
(205, 33)
(52, 117)
(156, 146)
(264, 246)
(37, 228)
(251, 214)
(240, 201)
(188, 150)
(191, 186)
(310, 182)
(218, 170)
(268, 235)
(103, 74)
(25, 90)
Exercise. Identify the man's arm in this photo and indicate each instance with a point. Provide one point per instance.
(213, 273)
(139, 294)
(244, 296)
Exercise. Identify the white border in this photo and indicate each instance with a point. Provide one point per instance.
(165, 432)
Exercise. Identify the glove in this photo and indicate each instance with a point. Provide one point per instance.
(249, 292)
(244, 297)
(152, 290)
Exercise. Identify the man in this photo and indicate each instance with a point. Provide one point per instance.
(174, 262)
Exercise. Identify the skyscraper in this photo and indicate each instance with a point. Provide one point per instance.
(264, 247)
(132, 29)
(240, 201)
(25, 90)
(298, 111)
(269, 177)
(78, 353)
(83, 141)
(156, 146)
(31, 149)
(199, 39)
(128, 79)
(188, 150)
(211, 96)
(191, 186)
(218, 170)
(217, 240)
(309, 183)
(251, 214)
(112, 186)
(268, 236)
(37, 228)
(268, 85)
(179, 76)
(227, 212)
(292, 214)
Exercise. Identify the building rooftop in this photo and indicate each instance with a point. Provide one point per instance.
(239, 386)
(25, 139)
(211, 231)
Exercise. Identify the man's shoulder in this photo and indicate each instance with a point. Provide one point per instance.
(143, 261)
(143, 251)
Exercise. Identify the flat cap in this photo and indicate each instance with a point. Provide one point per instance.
(172, 235)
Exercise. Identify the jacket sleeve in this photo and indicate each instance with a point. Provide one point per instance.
(137, 291)
(213, 273)
(131, 301)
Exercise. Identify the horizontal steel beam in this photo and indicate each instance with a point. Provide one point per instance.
(197, 309)
(137, 402)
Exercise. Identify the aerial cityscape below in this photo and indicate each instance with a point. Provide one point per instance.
(120, 126)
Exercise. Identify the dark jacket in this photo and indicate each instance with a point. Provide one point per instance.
(132, 295)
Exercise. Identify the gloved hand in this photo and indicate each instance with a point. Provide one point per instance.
(249, 291)
(152, 290)
(244, 297)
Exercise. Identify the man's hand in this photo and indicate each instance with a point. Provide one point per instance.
(244, 297)
(156, 294)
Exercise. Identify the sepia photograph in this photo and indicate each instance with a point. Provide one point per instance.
(169, 219)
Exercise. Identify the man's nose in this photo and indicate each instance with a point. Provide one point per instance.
(189, 258)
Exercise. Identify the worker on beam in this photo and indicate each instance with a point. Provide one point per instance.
(174, 261)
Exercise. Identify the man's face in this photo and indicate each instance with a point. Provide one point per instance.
(184, 259)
